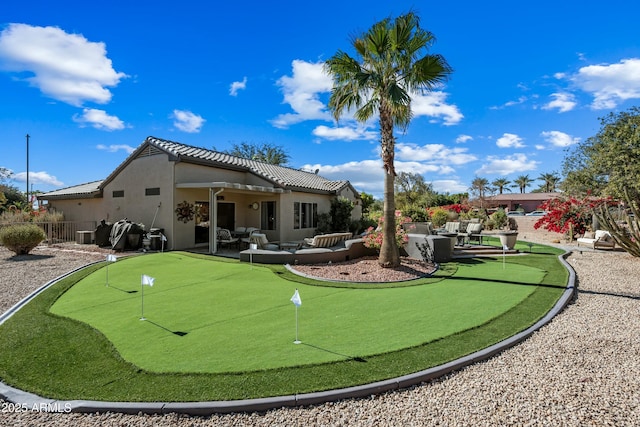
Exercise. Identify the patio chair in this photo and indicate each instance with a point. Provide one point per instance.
(473, 232)
(452, 226)
(225, 238)
(262, 242)
(601, 239)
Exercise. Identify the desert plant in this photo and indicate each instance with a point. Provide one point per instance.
(499, 218)
(21, 239)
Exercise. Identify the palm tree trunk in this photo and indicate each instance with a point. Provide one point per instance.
(389, 253)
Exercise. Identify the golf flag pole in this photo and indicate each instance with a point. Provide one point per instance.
(163, 238)
(295, 299)
(148, 281)
(253, 247)
(504, 252)
(110, 258)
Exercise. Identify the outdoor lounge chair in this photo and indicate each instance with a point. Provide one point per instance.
(473, 232)
(225, 238)
(601, 239)
(262, 242)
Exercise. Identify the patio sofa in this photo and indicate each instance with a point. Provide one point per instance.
(601, 239)
(344, 250)
(326, 240)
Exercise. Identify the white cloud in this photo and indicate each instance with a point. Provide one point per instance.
(507, 165)
(429, 160)
(37, 178)
(187, 121)
(432, 104)
(450, 186)
(562, 101)
(236, 86)
(99, 119)
(434, 153)
(66, 67)
(113, 148)
(463, 138)
(521, 100)
(509, 140)
(559, 139)
(610, 84)
(345, 133)
(301, 92)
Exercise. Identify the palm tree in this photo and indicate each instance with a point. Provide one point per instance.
(501, 184)
(388, 69)
(480, 186)
(550, 181)
(522, 182)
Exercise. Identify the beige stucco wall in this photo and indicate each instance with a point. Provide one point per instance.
(142, 173)
(78, 209)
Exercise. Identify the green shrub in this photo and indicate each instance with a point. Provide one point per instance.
(439, 217)
(500, 218)
(21, 239)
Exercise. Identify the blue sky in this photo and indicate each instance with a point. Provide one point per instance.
(90, 82)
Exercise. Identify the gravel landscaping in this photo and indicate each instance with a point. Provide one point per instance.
(581, 369)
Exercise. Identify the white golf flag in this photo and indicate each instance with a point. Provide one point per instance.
(147, 280)
(163, 237)
(505, 247)
(295, 299)
(111, 258)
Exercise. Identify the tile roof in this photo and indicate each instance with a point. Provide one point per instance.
(280, 176)
(82, 191)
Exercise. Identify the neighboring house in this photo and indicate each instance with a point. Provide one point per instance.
(178, 188)
(526, 201)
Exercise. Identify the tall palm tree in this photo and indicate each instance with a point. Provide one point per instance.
(388, 69)
(501, 184)
(550, 181)
(523, 182)
(480, 186)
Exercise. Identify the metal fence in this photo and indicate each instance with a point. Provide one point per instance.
(62, 231)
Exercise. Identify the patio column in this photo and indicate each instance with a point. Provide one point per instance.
(213, 219)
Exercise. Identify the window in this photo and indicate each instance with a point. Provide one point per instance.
(268, 216)
(118, 193)
(305, 215)
(152, 191)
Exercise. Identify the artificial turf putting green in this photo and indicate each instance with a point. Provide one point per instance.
(205, 316)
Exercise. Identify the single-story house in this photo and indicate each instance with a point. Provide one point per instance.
(525, 201)
(190, 191)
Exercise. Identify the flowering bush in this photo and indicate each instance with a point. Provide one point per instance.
(456, 207)
(568, 215)
(373, 237)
